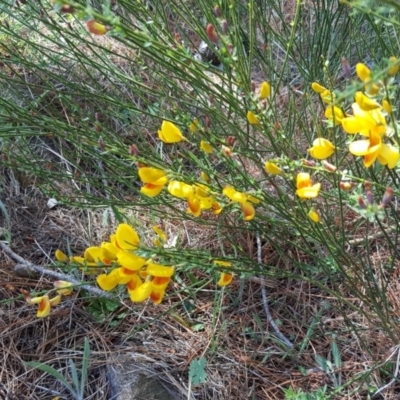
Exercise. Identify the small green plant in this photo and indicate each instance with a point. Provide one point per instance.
(77, 388)
(299, 394)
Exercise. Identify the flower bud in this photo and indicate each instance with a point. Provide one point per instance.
(344, 185)
(393, 62)
(133, 150)
(314, 216)
(224, 26)
(217, 11)
(308, 163)
(211, 34)
(361, 203)
(101, 144)
(226, 151)
(367, 186)
(370, 197)
(96, 28)
(253, 86)
(346, 68)
(207, 121)
(230, 140)
(387, 197)
(328, 166)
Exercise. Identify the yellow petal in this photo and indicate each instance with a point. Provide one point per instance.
(153, 175)
(314, 216)
(309, 192)
(194, 205)
(225, 279)
(359, 147)
(180, 189)
(134, 283)
(55, 300)
(93, 254)
(44, 307)
(334, 114)
(365, 102)
(234, 195)
(272, 168)
(108, 252)
(141, 293)
(194, 125)
(388, 155)
(248, 211)
(161, 234)
(363, 72)
(386, 106)
(252, 118)
(126, 237)
(161, 271)
(395, 66)
(156, 296)
(63, 287)
(110, 281)
(130, 261)
(206, 147)
(303, 179)
(160, 283)
(125, 275)
(322, 148)
(216, 208)
(170, 133)
(151, 190)
(351, 125)
(265, 90)
(318, 88)
(60, 256)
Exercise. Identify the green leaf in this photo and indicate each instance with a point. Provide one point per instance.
(197, 374)
(53, 372)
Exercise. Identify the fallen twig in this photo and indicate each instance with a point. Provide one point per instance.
(265, 299)
(29, 267)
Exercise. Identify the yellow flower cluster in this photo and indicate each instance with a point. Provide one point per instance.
(143, 278)
(46, 303)
(368, 119)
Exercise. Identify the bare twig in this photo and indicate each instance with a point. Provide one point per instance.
(377, 394)
(41, 270)
(265, 299)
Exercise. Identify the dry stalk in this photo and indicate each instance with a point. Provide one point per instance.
(28, 267)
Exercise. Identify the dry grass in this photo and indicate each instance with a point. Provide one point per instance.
(243, 359)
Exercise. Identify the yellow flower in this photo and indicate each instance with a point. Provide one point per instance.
(364, 122)
(363, 72)
(170, 133)
(180, 189)
(161, 271)
(334, 114)
(386, 106)
(130, 261)
(206, 147)
(265, 91)
(394, 63)
(305, 188)
(63, 287)
(365, 102)
(141, 293)
(110, 281)
(318, 88)
(243, 199)
(314, 216)
(162, 237)
(252, 118)
(154, 180)
(225, 279)
(325, 94)
(60, 256)
(372, 149)
(272, 168)
(45, 304)
(126, 237)
(194, 125)
(321, 149)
